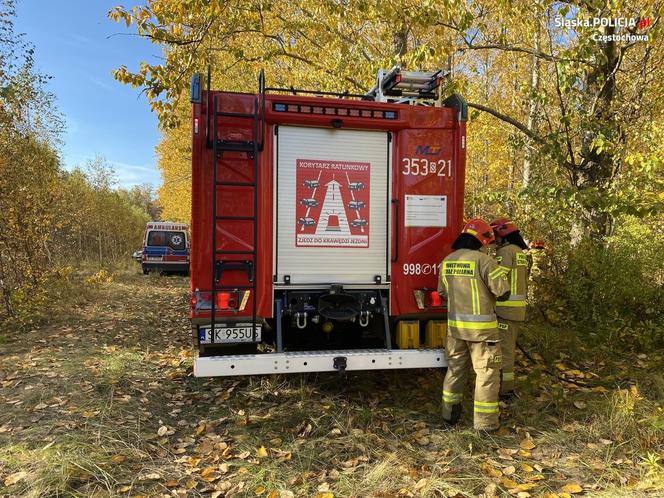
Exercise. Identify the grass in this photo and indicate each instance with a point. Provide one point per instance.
(100, 401)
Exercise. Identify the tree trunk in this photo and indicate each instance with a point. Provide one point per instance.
(596, 170)
(533, 110)
(100, 253)
(401, 43)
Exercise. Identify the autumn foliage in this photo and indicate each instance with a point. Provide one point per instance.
(52, 221)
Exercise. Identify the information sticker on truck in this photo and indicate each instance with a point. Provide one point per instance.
(224, 334)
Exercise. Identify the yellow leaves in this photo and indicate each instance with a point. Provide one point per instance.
(124, 489)
(572, 488)
(259, 490)
(506, 453)
(261, 452)
(490, 470)
(527, 444)
(509, 470)
(164, 430)
(509, 475)
(325, 494)
(210, 474)
(515, 488)
(508, 483)
(15, 478)
(152, 476)
(522, 488)
(281, 454)
(119, 14)
(118, 458)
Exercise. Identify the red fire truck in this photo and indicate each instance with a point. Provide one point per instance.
(318, 224)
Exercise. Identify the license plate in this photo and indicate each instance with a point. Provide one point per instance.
(241, 332)
(154, 258)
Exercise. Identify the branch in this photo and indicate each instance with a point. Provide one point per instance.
(503, 117)
(523, 50)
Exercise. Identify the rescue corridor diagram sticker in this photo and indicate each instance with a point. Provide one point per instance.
(332, 203)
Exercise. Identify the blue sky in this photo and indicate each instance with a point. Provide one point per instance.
(74, 44)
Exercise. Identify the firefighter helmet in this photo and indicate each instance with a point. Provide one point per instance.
(503, 227)
(479, 229)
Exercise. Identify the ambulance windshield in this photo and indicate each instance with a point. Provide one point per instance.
(174, 240)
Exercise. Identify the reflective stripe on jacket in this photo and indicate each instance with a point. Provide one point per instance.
(512, 257)
(472, 280)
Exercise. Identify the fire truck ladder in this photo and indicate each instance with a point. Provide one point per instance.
(251, 148)
(407, 87)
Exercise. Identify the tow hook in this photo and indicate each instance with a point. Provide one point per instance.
(339, 363)
(303, 316)
(364, 318)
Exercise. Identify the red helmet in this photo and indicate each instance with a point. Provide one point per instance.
(503, 227)
(479, 229)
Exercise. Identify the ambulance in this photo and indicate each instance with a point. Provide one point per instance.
(165, 248)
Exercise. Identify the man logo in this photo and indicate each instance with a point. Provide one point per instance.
(427, 150)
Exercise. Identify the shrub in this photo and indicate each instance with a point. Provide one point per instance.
(613, 292)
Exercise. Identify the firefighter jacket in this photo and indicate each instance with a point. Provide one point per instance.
(512, 257)
(471, 281)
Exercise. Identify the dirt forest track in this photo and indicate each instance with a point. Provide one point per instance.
(102, 402)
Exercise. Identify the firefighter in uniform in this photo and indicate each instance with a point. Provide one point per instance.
(471, 281)
(512, 312)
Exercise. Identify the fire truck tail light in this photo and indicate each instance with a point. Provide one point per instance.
(234, 301)
(226, 300)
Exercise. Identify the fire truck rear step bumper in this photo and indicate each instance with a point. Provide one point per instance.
(318, 361)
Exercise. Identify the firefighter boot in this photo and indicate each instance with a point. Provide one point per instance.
(455, 415)
(509, 331)
(458, 363)
(486, 359)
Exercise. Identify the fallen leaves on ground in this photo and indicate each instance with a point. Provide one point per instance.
(15, 477)
(572, 488)
(126, 398)
(527, 444)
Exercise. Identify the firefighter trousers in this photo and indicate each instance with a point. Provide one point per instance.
(485, 359)
(510, 332)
